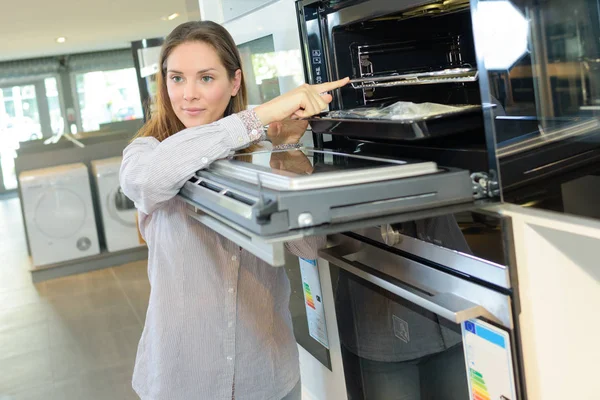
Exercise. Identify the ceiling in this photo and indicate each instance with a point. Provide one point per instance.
(29, 28)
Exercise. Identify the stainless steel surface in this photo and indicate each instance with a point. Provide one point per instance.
(272, 253)
(467, 264)
(549, 136)
(284, 180)
(446, 305)
(427, 280)
(455, 75)
(384, 207)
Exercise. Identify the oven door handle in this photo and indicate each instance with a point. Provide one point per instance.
(447, 305)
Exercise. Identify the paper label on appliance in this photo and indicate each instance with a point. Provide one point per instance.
(313, 301)
(488, 360)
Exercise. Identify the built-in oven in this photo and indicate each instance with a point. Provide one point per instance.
(426, 309)
(452, 105)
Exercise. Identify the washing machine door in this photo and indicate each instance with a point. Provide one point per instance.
(121, 208)
(60, 213)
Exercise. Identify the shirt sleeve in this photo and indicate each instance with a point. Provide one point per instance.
(153, 172)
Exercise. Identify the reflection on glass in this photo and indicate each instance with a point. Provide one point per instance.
(501, 32)
(19, 122)
(550, 134)
(108, 96)
(267, 71)
(560, 74)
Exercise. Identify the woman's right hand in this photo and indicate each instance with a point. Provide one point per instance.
(302, 102)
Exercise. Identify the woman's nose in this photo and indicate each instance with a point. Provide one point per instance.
(191, 91)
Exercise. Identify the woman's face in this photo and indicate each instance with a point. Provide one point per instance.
(198, 84)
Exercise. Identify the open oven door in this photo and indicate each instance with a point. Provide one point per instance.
(264, 199)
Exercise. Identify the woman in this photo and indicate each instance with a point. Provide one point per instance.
(218, 325)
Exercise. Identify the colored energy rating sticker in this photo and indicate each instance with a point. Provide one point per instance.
(313, 301)
(488, 358)
(309, 299)
(480, 391)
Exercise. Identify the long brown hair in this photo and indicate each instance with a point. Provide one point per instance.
(163, 121)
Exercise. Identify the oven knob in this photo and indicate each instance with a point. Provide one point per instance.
(305, 219)
(390, 236)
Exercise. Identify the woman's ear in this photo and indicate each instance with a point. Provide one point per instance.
(237, 82)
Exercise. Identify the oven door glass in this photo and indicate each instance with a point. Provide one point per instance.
(401, 325)
(279, 196)
(394, 349)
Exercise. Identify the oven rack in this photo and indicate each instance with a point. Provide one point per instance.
(455, 75)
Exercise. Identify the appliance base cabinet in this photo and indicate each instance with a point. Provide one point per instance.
(559, 289)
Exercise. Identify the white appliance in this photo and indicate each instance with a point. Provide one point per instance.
(59, 214)
(119, 215)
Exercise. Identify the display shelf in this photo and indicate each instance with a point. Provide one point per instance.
(80, 265)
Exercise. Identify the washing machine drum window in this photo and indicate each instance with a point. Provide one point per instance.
(59, 213)
(122, 202)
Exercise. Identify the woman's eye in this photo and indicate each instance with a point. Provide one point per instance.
(177, 79)
(207, 79)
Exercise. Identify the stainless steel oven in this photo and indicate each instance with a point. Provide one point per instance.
(453, 105)
(422, 315)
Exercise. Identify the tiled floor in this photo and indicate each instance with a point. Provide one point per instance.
(69, 338)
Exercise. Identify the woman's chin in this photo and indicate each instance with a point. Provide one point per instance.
(192, 122)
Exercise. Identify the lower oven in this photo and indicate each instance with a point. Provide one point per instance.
(412, 329)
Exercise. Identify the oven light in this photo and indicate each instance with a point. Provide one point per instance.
(501, 34)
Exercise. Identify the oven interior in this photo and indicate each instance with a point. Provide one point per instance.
(424, 54)
(395, 46)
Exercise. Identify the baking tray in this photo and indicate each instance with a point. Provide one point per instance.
(463, 119)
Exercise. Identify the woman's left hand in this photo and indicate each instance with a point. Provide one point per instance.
(288, 131)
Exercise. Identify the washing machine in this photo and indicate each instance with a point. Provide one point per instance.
(119, 215)
(59, 214)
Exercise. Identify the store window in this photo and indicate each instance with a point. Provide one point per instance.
(107, 96)
(26, 115)
(19, 122)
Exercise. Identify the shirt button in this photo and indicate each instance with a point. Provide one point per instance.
(240, 139)
(230, 290)
(254, 132)
(204, 160)
(230, 324)
(229, 358)
(234, 258)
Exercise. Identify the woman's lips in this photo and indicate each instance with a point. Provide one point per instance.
(193, 111)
